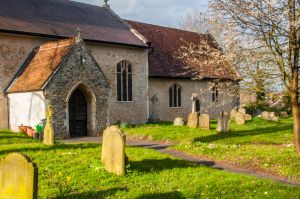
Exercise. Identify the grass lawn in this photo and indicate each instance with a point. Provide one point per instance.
(262, 145)
(75, 171)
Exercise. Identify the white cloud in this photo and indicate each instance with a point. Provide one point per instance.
(161, 12)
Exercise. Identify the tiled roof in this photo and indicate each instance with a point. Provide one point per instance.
(37, 71)
(166, 42)
(61, 18)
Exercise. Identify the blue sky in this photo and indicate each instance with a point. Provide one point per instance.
(160, 12)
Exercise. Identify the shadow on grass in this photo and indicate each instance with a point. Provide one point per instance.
(50, 148)
(242, 133)
(168, 195)
(154, 165)
(94, 194)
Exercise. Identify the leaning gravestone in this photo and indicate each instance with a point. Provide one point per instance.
(223, 123)
(178, 121)
(113, 150)
(204, 121)
(18, 177)
(49, 131)
(192, 120)
(240, 118)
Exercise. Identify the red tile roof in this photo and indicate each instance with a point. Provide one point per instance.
(166, 42)
(61, 18)
(40, 68)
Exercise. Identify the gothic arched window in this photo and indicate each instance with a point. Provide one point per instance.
(215, 93)
(175, 95)
(124, 81)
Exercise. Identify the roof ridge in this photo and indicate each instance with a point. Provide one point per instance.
(167, 27)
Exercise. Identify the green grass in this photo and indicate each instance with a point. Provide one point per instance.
(262, 145)
(75, 171)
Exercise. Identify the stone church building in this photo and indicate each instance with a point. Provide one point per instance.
(109, 71)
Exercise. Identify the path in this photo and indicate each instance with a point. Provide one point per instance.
(163, 148)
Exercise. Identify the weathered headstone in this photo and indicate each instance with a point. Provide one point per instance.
(233, 112)
(113, 150)
(178, 121)
(49, 131)
(248, 117)
(18, 177)
(154, 118)
(265, 115)
(274, 118)
(223, 123)
(192, 121)
(242, 110)
(204, 121)
(240, 118)
(284, 114)
(194, 100)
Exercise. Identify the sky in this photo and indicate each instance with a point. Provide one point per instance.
(159, 12)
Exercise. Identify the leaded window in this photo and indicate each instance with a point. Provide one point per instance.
(124, 81)
(175, 95)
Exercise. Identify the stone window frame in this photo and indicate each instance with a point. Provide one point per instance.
(124, 70)
(175, 96)
(215, 93)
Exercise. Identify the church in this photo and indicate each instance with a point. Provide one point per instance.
(96, 69)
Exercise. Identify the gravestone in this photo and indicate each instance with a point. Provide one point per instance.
(248, 117)
(113, 150)
(49, 131)
(204, 121)
(284, 114)
(223, 125)
(194, 100)
(18, 177)
(233, 112)
(192, 120)
(242, 110)
(240, 118)
(153, 118)
(178, 121)
(265, 115)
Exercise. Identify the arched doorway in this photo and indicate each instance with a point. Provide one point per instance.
(78, 114)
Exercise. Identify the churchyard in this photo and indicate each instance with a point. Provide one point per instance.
(76, 170)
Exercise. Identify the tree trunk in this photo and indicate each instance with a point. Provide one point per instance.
(296, 119)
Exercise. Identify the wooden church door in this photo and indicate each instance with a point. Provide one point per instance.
(77, 114)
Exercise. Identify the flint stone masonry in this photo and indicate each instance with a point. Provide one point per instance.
(113, 150)
(75, 73)
(18, 177)
(240, 118)
(14, 49)
(178, 121)
(223, 125)
(204, 121)
(192, 121)
(49, 131)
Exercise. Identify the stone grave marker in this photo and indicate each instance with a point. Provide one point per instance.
(240, 118)
(233, 112)
(178, 121)
(248, 117)
(265, 115)
(192, 120)
(18, 177)
(153, 118)
(204, 121)
(223, 123)
(49, 131)
(242, 110)
(113, 150)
